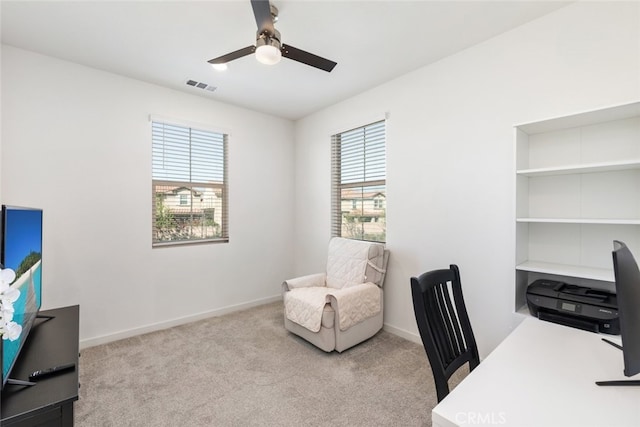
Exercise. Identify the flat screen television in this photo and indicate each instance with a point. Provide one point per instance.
(627, 277)
(21, 250)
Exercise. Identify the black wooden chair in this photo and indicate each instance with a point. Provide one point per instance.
(444, 325)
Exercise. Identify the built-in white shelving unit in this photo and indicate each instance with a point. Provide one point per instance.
(577, 190)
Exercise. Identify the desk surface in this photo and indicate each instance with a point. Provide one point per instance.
(544, 374)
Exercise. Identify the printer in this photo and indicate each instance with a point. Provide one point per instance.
(571, 305)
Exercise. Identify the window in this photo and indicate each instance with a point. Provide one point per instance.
(358, 175)
(189, 186)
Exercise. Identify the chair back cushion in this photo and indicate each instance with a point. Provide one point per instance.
(352, 262)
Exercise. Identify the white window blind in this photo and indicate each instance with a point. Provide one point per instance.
(189, 168)
(358, 175)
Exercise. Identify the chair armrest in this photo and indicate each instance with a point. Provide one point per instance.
(355, 303)
(353, 291)
(310, 280)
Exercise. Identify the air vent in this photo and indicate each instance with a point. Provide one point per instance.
(201, 85)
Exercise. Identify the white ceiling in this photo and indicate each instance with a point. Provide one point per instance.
(169, 42)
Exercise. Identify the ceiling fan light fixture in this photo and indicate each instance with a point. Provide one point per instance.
(268, 54)
(220, 67)
(268, 48)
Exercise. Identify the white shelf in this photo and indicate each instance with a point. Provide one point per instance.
(616, 112)
(581, 221)
(577, 189)
(602, 274)
(577, 169)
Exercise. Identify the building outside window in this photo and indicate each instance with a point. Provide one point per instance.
(189, 185)
(358, 163)
(378, 203)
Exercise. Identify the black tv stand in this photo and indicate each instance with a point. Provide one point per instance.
(618, 346)
(632, 383)
(11, 381)
(53, 342)
(626, 383)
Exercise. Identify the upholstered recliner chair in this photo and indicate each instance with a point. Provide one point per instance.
(342, 307)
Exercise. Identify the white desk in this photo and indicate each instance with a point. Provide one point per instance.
(543, 374)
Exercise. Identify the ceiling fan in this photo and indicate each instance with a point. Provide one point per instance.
(268, 48)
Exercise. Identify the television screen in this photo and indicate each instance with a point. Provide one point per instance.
(22, 252)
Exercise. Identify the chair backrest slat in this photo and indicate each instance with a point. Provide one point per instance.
(451, 321)
(441, 328)
(437, 326)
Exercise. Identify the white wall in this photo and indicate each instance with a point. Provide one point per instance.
(450, 152)
(77, 142)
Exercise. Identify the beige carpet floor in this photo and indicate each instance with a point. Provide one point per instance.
(245, 369)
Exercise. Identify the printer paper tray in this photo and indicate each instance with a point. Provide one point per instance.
(568, 321)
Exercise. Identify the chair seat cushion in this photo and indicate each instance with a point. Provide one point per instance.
(356, 303)
(305, 306)
(308, 307)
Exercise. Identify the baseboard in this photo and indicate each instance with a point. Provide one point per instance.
(104, 339)
(402, 333)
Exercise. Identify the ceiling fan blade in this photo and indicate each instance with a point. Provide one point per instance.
(262, 12)
(233, 55)
(307, 58)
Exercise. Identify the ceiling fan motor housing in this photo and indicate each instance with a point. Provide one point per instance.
(266, 39)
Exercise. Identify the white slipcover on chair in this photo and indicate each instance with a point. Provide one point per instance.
(342, 307)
